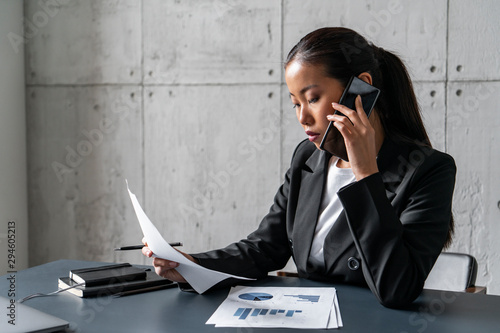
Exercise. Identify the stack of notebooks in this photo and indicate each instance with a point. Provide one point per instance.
(116, 280)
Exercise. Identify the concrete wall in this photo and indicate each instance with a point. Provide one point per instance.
(13, 173)
(186, 100)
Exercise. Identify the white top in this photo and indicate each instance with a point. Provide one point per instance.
(331, 207)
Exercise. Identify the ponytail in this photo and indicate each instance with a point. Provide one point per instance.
(398, 108)
(399, 111)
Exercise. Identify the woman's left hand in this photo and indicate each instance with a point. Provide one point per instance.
(359, 138)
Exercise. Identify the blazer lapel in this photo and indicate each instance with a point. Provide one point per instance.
(339, 240)
(311, 191)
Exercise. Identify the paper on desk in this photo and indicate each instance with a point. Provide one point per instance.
(199, 277)
(284, 307)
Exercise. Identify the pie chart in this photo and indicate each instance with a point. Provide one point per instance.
(256, 296)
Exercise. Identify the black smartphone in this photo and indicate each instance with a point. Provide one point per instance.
(333, 142)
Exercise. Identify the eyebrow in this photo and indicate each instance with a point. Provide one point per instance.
(303, 90)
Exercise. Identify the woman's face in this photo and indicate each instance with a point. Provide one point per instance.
(312, 94)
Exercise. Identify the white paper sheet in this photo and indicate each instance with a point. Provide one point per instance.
(200, 278)
(335, 317)
(285, 307)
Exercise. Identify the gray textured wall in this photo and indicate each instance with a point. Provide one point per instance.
(186, 99)
(13, 177)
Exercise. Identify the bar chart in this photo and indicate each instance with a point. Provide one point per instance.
(305, 298)
(243, 313)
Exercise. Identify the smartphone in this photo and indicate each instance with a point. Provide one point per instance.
(333, 142)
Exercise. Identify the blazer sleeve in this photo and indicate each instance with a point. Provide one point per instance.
(399, 245)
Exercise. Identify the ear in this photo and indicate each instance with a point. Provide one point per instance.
(365, 76)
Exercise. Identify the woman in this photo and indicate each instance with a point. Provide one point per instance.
(378, 218)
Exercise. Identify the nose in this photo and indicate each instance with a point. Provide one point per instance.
(303, 115)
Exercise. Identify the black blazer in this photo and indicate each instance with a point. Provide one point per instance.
(391, 231)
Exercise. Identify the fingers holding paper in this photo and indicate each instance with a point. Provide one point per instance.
(166, 268)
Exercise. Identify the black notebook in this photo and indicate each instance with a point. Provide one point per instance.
(151, 282)
(115, 273)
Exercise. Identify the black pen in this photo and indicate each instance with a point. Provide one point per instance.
(138, 247)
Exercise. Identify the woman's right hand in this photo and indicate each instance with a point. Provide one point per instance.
(166, 268)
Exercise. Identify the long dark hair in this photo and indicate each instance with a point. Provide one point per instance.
(344, 53)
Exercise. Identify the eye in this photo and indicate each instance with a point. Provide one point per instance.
(313, 100)
(295, 104)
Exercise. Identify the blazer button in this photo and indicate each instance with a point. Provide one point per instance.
(291, 243)
(353, 263)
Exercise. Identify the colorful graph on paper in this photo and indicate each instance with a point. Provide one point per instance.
(242, 313)
(256, 296)
(276, 307)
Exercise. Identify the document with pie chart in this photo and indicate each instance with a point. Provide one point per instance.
(285, 307)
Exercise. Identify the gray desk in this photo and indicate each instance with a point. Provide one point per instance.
(171, 310)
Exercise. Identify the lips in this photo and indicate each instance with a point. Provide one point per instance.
(313, 136)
